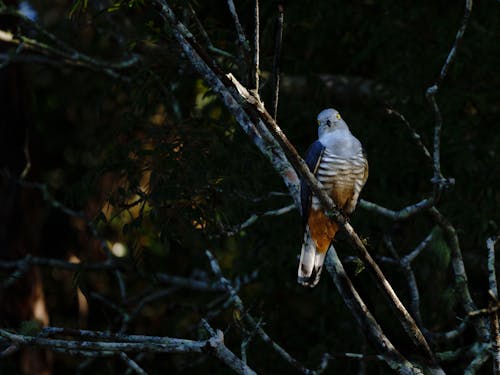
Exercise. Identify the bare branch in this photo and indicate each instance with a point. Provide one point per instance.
(244, 50)
(86, 344)
(72, 57)
(254, 326)
(218, 81)
(276, 61)
(458, 39)
(495, 338)
(256, 50)
(253, 218)
(407, 259)
(364, 318)
(245, 45)
(477, 362)
(404, 317)
(132, 364)
(492, 277)
(402, 214)
(415, 136)
(30, 260)
(431, 93)
(458, 267)
(130, 343)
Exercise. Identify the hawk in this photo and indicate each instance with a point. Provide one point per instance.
(338, 161)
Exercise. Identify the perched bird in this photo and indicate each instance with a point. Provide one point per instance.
(338, 161)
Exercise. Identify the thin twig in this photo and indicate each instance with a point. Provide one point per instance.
(244, 50)
(458, 39)
(495, 340)
(415, 136)
(74, 58)
(431, 92)
(214, 76)
(404, 317)
(254, 326)
(253, 218)
(495, 327)
(492, 277)
(363, 316)
(132, 364)
(407, 259)
(477, 362)
(239, 30)
(402, 214)
(458, 266)
(276, 61)
(256, 50)
(253, 103)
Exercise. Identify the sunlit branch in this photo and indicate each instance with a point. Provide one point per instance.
(258, 133)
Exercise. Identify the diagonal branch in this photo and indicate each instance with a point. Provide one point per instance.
(255, 326)
(458, 267)
(414, 135)
(221, 85)
(255, 110)
(402, 313)
(364, 318)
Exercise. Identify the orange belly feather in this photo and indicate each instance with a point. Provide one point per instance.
(321, 227)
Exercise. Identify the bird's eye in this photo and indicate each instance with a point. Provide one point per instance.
(337, 116)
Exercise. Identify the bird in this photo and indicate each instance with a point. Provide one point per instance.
(338, 161)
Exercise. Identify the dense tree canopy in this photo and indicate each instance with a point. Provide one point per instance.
(115, 149)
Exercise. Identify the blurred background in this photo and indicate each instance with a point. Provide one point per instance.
(162, 171)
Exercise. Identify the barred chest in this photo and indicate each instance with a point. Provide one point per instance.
(340, 173)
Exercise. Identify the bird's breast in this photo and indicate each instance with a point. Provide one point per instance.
(340, 175)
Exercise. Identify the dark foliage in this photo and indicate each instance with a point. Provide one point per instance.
(158, 165)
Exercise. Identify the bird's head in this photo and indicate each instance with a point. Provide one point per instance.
(330, 120)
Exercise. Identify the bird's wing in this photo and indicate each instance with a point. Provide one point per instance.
(313, 159)
(360, 174)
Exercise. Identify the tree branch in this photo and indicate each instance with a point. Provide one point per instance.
(364, 318)
(127, 343)
(461, 281)
(256, 50)
(254, 326)
(276, 62)
(402, 214)
(257, 131)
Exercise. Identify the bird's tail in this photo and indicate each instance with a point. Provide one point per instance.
(311, 262)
